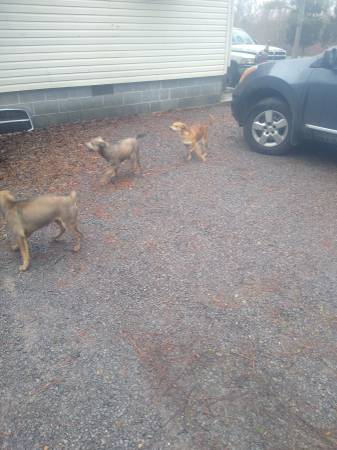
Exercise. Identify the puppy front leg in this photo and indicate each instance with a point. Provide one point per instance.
(24, 249)
(189, 152)
(200, 153)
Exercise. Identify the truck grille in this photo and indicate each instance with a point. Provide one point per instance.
(273, 56)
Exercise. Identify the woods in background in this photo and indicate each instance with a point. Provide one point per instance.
(276, 21)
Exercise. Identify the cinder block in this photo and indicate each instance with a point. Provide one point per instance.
(189, 102)
(113, 111)
(192, 91)
(164, 94)
(150, 96)
(121, 88)
(90, 114)
(198, 101)
(9, 98)
(168, 105)
(179, 92)
(166, 84)
(165, 105)
(74, 116)
(49, 119)
(187, 82)
(213, 99)
(71, 104)
(131, 98)
(155, 106)
(210, 80)
(55, 94)
(92, 102)
(32, 96)
(113, 100)
(130, 110)
(80, 91)
(46, 107)
(209, 89)
(137, 87)
(105, 89)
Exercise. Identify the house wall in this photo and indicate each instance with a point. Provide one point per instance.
(58, 58)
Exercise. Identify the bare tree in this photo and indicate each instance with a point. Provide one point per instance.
(299, 27)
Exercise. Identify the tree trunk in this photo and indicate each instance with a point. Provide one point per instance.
(299, 27)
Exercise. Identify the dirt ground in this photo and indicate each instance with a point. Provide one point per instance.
(201, 311)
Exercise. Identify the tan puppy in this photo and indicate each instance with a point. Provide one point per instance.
(192, 137)
(26, 216)
(115, 154)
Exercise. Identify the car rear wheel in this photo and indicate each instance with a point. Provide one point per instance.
(268, 127)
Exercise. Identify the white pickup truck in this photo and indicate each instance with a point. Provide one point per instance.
(246, 52)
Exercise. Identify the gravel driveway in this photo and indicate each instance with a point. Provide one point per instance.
(201, 312)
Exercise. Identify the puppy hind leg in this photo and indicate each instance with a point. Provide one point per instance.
(205, 138)
(24, 249)
(72, 227)
(108, 175)
(15, 245)
(62, 229)
(136, 162)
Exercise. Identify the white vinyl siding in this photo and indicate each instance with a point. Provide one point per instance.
(47, 44)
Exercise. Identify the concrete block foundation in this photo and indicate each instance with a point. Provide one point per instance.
(54, 106)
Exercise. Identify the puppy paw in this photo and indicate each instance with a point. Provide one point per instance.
(77, 248)
(23, 268)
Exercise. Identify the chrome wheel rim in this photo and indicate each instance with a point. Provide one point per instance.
(270, 128)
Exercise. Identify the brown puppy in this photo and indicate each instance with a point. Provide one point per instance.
(115, 154)
(192, 137)
(26, 216)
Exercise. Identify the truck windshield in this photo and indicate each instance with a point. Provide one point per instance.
(241, 37)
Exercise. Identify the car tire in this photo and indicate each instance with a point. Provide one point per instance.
(233, 75)
(268, 127)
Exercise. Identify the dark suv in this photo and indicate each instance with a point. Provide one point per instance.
(281, 103)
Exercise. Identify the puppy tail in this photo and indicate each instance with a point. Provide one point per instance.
(211, 119)
(141, 135)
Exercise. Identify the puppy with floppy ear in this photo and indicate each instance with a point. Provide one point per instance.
(23, 217)
(115, 154)
(193, 136)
